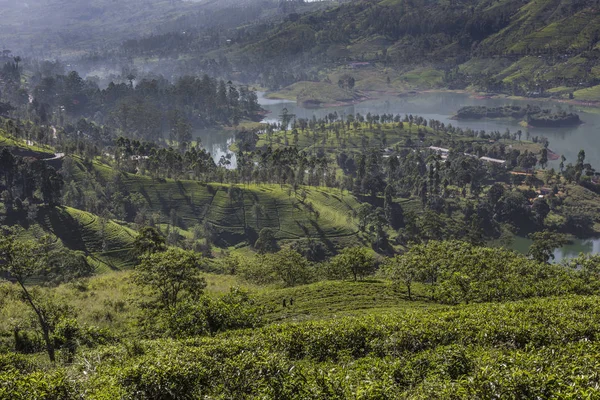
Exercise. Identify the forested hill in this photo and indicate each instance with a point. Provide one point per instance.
(507, 45)
(51, 28)
(522, 47)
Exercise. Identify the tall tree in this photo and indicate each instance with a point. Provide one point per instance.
(170, 277)
(544, 244)
(401, 271)
(353, 261)
(149, 241)
(23, 259)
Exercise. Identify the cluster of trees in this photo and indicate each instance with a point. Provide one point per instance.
(173, 300)
(22, 260)
(449, 272)
(26, 182)
(191, 162)
(152, 109)
(288, 267)
(456, 272)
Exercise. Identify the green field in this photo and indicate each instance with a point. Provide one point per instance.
(106, 244)
(196, 203)
(25, 148)
(324, 300)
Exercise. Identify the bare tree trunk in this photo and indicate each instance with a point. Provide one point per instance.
(43, 323)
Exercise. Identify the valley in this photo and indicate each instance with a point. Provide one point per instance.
(289, 199)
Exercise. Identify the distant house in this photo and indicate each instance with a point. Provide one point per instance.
(356, 65)
(493, 160)
(439, 150)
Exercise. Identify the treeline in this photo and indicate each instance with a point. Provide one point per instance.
(152, 109)
(149, 108)
(27, 182)
(448, 272)
(462, 196)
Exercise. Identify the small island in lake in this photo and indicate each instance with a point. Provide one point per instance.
(532, 115)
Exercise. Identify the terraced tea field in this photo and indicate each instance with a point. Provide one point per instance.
(325, 214)
(106, 243)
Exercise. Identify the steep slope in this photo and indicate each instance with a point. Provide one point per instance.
(324, 214)
(106, 244)
(514, 46)
(45, 28)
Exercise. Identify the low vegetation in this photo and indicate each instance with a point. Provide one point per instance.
(532, 115)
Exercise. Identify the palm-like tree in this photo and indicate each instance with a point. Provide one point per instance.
(258, 211)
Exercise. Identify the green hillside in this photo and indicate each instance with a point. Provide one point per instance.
(543, 348)
(25, 148)
(325, 214)
(516, 47)
(106, 243)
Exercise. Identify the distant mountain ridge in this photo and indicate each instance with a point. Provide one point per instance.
(535, 48)
(516, 46)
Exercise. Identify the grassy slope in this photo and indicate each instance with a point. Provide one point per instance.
(334, 299)
(23, 148)
(543, 39)
(196, 203)
(104, 300)
(106, 243)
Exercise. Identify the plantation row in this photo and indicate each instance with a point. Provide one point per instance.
(230, 210)
(533, 349)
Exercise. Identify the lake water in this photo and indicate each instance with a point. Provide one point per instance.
(571, 250)
(441, 106)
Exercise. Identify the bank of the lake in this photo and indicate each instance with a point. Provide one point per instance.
(568, 251)
(442, 105)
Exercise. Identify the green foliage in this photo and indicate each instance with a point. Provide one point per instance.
(544, 244)
(402, 271)
(170, 277)
(354, 262)
(456, 272)
(16, 362)
(286, 267)
(148, 241)
(169, 381)
(588, 270)
(543, 347)
(210, 315)
(54, 385)
(23, 259)
(266, 242)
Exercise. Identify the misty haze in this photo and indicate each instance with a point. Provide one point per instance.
(290, 199)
